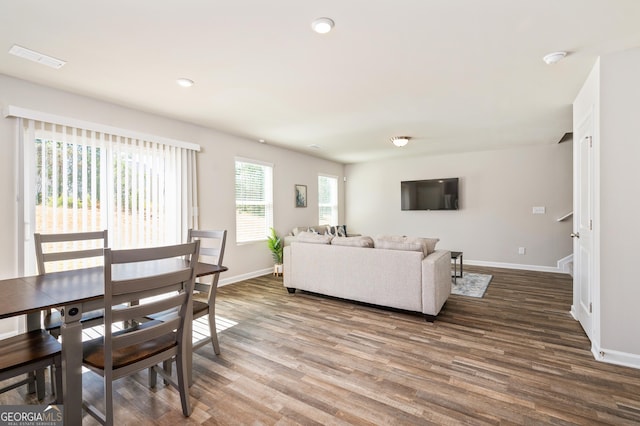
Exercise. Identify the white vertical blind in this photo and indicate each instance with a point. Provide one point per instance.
(80, 180)
(327, 200)
(254, 200)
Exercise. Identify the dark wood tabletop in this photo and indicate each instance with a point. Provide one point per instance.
(19, 296)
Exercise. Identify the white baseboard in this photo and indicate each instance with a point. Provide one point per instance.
(564, 264)
(574, 313)
(7, 335)
(248, 275)
(523, 267)
(615, 357)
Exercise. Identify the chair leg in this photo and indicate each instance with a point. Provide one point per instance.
(40, 384)
(212, 329)
(153, 377)
(183, 388)
(58, 379)
(108, 400)
(166, 366)
(52, 379)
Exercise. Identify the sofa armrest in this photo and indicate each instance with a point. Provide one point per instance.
(436, 281)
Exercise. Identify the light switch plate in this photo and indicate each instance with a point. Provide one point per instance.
(539, 210)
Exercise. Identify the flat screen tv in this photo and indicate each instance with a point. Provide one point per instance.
(431, 194)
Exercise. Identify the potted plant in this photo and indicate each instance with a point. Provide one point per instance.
(276, 246)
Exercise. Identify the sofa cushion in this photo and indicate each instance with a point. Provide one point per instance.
(353, 241)
(399, 242)
(311, 237)
(429, 244)
(395, 245)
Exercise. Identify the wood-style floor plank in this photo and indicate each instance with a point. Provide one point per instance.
(515, 356)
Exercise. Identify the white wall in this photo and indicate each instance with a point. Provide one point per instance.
(620, 201)
(497, 192)
(215, 170)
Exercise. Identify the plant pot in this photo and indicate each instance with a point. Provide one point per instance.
(277, 269)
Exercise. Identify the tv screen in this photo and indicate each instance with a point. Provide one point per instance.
(432, 194)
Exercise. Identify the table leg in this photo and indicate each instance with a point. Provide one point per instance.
(33, 323)
(455, 271)
(71, 333)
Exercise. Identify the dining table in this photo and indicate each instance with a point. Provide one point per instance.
(74, 292)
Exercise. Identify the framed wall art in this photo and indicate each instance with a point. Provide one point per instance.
(301, 195)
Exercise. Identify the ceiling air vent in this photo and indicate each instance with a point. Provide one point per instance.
(38, 57)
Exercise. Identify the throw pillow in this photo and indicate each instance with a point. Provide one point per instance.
(313, 238)
(341, 230)
(298, 229)
(353, 241)
(331, 230)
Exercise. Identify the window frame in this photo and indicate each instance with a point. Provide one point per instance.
(267, 201)
(335, 207)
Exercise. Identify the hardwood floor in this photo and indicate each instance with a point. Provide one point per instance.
(515, 356)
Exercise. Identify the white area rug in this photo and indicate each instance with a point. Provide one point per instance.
(471, 284)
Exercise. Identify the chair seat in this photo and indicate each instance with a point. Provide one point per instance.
(200, 308)
(53, 320)
(93, 350)
(24, 349)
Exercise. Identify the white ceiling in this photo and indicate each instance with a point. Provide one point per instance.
(455, 75)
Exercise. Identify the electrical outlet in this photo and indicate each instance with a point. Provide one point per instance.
(522, 250)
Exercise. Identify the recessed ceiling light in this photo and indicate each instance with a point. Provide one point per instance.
(38, 57)
(554, 57)
(261, 141)
(400, 141)
(185, 82)
(322, 25)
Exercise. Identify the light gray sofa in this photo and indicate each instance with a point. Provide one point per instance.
(401, 279)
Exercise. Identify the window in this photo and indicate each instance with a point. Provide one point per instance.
(328, 200)
(254, 200)
(82, 179)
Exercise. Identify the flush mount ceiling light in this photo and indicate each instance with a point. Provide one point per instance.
(185, 82)
(400, 141)
(38, 57)
(322, 25)
(554, 57)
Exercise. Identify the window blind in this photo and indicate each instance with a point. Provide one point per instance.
(254, 200)
(76, 179)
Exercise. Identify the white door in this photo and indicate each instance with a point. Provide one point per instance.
(583, 225)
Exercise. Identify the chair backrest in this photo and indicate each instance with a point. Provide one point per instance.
(132, 275)
(69, 246)
(212, 244)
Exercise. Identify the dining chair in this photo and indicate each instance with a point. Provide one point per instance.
(60, 248)
(129, 276)
(204, 303)
(28, 352)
